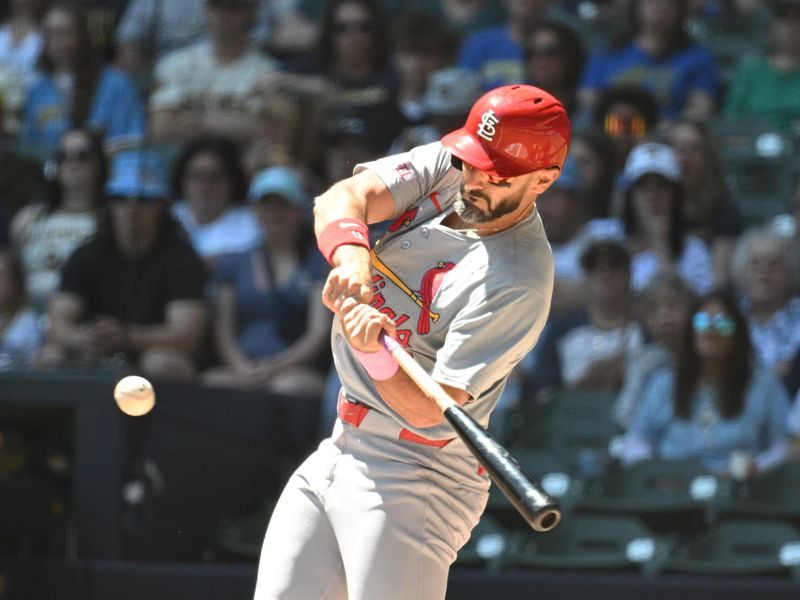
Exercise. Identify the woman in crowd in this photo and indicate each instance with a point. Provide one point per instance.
(593, 153)
(716, 401)
(20, 330)
(664, 309)
(351, 69)
(75, 89)
(652, 220)
(45, 233)
(554, 59)
(270, 327)
(210, 180)
(708, 211)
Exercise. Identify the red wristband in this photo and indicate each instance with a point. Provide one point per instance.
(340, 232)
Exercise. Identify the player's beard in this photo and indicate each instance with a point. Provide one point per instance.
(469, 212)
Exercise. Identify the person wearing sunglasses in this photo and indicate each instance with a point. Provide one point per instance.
(45, 233)
(716, 403)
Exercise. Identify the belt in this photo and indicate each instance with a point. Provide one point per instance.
(355, 412)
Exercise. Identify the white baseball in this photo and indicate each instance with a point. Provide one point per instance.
(134, 395)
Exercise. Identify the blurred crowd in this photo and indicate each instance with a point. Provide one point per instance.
(159, 160)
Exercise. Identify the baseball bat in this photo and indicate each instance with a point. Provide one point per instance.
(526, 495)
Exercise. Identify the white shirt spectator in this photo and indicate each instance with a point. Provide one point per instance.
(161, 27)
(235, 230)
(584, 345)
(777, 339)
(192, 79)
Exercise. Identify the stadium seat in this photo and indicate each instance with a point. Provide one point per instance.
(601, 542)
(741, 547)
(760, 163)
(569, 425)
(667, 494)
(775, 494)
(486, 546)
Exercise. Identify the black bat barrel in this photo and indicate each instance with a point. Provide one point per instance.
(531, 501)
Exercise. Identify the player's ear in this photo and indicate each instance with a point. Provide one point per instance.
(544, 178)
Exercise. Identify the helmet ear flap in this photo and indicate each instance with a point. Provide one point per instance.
(456, 162)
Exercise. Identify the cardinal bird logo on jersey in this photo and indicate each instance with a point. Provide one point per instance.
(431, 282)
(404, 220)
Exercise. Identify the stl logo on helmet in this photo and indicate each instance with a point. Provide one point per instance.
(487, 127)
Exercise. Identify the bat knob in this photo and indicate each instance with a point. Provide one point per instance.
(546, 520)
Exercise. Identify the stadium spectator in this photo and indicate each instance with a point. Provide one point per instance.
(21, 38)
(12, 97)
(209, 86)
(627, 115)
(350, 72)
(270, 327)
(46, 233)
(20, 327)
(766, 266)
(151, 29)
(768, 85)
(21, 180)
(664, 308)
(716, 401)
(593, 154)
(708, 211)
(652, 220)
(564, 212)
(346, 143)
(589, 349)
(75, 89)
(135, 291)
(656, 52)
(554, 60)
(421, 45)
(497, 53)
(449, 95)
(211, 185)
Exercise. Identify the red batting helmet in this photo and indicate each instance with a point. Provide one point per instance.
(512, 130)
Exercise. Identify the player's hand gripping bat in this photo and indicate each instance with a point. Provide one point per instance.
(527, 496)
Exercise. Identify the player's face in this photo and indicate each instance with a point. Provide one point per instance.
(484, 198)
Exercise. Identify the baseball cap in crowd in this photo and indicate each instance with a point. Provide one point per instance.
(451, 91)
(651, 158)
(607, 252)
(138, 174)
(279, 181)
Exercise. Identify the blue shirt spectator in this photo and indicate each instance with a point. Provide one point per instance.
(670, 78)
(116, 111)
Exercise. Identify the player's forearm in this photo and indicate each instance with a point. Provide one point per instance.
(407, 400)
(340, 202)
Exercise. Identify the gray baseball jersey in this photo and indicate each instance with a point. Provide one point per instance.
(467, 308)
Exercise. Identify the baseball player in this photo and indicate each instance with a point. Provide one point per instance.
(462, 279)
